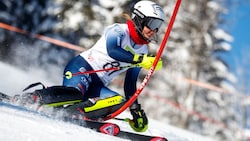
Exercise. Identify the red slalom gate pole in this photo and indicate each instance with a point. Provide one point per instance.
(151, 71)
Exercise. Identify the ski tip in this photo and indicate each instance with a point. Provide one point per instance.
(4, 97)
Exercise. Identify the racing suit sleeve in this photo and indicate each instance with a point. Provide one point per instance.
(130, 82)
(114, 36)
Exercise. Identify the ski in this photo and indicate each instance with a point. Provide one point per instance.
(4, 97)
(114, 130)
(140, 137)
(101, 127)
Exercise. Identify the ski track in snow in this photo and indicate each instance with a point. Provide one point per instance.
(18, 125)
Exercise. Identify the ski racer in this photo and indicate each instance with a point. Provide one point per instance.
(120, 46)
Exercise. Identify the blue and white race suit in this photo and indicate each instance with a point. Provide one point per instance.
(115, 48)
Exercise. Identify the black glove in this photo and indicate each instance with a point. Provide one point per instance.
(140, 120)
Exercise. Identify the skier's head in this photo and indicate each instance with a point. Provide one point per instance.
(147, 14)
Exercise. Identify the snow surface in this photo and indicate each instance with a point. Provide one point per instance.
(19, 125)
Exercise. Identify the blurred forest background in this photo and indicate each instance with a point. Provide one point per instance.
(173, 95)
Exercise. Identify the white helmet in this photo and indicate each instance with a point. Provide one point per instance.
(147, 13)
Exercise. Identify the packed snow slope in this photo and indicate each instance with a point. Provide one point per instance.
(20, 125)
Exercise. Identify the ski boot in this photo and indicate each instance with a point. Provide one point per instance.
(96, 108)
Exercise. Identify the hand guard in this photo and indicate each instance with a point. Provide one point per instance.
(146, 61)
(140, 120)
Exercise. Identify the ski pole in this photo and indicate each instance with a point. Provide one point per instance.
(123, 119)
(69, 74)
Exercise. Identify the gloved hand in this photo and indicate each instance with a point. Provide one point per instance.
(140, 120)
(146, 61)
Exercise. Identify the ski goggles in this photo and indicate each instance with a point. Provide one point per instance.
(153, 23)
